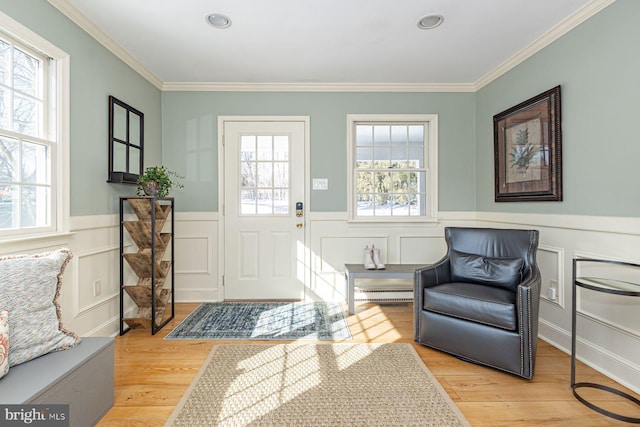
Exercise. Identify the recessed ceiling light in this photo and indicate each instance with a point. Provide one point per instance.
(218, 20)
(430, 21)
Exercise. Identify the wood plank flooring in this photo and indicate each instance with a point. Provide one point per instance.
(152, 374)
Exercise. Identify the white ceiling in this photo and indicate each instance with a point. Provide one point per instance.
(328, 41)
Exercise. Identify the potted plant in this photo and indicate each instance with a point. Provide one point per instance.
(158, 181)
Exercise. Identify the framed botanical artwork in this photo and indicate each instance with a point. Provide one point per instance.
(528, 150)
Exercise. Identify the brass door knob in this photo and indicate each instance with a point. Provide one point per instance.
(299, 225)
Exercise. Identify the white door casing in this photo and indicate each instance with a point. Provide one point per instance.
(262, 177)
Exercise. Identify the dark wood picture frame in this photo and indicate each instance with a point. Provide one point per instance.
(528, 150)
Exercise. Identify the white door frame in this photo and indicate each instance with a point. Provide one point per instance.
(221, 191)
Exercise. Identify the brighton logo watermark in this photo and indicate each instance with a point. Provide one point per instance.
(34, 415)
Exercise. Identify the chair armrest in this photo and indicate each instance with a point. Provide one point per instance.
(426, 277)
(528, 294)
(434, 274)
(528, 302)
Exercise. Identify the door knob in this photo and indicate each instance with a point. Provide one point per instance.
(299, 225)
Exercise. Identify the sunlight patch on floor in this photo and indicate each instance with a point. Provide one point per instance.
(371, 324)
(287, 318)
(253, 386)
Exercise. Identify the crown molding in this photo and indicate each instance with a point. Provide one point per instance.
(545, 40)
(577, 18)
(316, 87)
(80, 20)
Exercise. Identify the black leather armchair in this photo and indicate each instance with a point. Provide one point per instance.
(480, 302)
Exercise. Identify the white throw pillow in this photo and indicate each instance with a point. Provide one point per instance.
(29, 291)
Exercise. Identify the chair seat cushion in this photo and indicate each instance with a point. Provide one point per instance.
(477, 303)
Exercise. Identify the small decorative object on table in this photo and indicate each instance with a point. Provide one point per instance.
(372, 260)
(376, 258)
(157, 182)
(368, 259)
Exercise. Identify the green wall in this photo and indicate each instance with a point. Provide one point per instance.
(190, 121)
(95, 74)
(597, 66)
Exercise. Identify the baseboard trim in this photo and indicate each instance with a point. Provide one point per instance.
(618, 369)
(197, 295)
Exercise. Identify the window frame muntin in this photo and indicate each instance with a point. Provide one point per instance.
(431, 164)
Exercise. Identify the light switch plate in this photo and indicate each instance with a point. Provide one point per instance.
(320, 183)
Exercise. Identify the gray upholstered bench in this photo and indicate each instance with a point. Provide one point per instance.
(81, 376)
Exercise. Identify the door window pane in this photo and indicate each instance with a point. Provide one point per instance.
(281, 201)
(248, 202)
(265, 201)
(247, 175)
(247, 148)
(265, 147)
(281, 175)
(280, 147)
(264, 175)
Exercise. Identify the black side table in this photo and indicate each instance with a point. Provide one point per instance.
(609, 286)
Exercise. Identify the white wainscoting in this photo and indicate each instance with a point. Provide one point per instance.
(608, 328)
(95, 244)
(196, 259)
(336, 242)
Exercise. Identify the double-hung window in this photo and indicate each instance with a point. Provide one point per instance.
(393, 167)
(29, 139)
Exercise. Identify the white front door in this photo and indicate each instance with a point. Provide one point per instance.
(264, 179)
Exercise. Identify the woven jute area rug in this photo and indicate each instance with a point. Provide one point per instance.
(315, 385)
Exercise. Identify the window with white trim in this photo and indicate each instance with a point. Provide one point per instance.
(393, 167)
(28, 140)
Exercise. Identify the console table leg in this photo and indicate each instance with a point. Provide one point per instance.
(351, 290)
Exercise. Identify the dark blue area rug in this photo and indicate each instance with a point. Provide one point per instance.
(264, 321)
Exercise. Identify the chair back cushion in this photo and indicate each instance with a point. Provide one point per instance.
(492, 244)
(499, 272)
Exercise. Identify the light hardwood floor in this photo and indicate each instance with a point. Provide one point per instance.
(152, 374)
